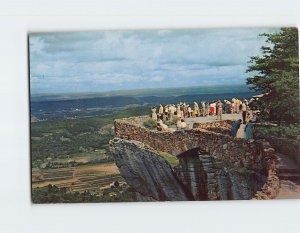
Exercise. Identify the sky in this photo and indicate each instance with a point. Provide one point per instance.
(100, 61)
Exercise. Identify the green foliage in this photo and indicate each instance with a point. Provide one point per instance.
(286, 131)
(276, 74)
(54, 194)
(71, 136)
(150, 124)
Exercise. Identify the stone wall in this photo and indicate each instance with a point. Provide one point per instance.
(222, 127)
(231, 169)
(271, 188)
(226, 124)
(231, 151)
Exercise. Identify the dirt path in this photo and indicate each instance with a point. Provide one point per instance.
(289, 176)
(288, 190)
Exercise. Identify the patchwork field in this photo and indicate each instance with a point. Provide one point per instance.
(93, 178)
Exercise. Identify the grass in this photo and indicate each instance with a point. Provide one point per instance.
(172, 160)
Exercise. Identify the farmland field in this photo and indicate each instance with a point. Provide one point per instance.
(73, 155)
(82, 178)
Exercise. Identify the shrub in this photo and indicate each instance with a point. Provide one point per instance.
(150, 124)
(291, 131)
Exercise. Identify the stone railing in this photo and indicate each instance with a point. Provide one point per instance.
(231, 151)
(271, 188)
(226, 124)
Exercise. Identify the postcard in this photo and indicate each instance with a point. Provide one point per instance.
(164, 115)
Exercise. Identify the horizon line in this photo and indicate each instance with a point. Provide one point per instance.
(139, 89)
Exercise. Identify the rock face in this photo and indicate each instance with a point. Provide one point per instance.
(239, 185)
(197, 177)
(197, 171)
(212, 165)
(146, 172)
(208, 179)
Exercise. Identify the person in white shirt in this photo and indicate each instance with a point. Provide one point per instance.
(172, 110)
(183, 124)
(161, 110)
(178, 113)
(203, 108)
(190, 111)
(154, 116)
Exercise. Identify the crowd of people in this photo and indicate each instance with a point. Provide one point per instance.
(178, 112)
(213, 108)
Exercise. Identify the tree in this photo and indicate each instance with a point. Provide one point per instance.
(276, 75)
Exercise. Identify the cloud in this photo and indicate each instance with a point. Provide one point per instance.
(110, 60)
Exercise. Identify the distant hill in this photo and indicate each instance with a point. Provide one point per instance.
(146, 92)
(47, 107)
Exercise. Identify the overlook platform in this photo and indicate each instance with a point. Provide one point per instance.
(230, 168)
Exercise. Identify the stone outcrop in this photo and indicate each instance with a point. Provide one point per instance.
(197, 171)
(271, 187)
(147, 172)
(208, 179)
(239, 184)
(212, 165)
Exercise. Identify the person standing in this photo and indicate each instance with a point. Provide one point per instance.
(232, 108)
(244, 112)
(233, 104)
(196, 109)
(207, 109)
(211, 109)
(249, 130)
(166, 113)
(237, 104)
(171, 110)
(154, 116)
(203, 108)
(185, 110)
(190, 111)
(235, 127)
(160, 110)
(178, 114)
(220, 110)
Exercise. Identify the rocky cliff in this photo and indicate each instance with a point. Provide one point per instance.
(208, 178)
(197, 177)
(146, 172)
(212, 165)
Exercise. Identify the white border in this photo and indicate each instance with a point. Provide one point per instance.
(17, 214)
